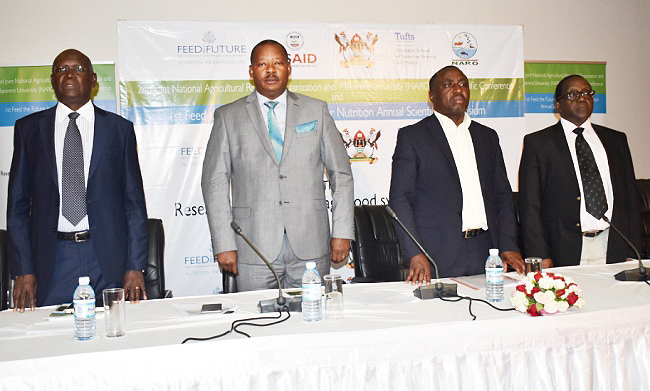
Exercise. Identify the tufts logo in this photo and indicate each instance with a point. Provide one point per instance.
(361, 148)
(356, 51)
(294, 40)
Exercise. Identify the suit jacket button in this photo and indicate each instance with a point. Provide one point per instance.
(578, 198)
(577, 225)
(459, 214)
(282, 176)
(280, 202)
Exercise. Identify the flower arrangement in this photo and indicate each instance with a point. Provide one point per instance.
(546, 293)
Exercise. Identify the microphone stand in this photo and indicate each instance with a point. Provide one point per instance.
(438, 289)
(294, 304)
(631, 274)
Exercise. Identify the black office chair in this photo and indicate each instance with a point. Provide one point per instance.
(375, 249)
(154, 275)
(5, 279)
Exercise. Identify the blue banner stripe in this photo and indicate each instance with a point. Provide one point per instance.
(11, 112)
(192, 115)
(544, 103)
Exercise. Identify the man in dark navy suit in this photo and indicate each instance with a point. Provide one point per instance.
(449, 187)
(76, 203)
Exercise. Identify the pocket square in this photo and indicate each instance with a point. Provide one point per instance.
(306, 127)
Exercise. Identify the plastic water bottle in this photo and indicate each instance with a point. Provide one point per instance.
(84, 310)
(312, 309)
(494, 276)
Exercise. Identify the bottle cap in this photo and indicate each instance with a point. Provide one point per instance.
(494, 251)
(84, 280)
(310, 265)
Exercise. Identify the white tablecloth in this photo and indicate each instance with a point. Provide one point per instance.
(388, 340)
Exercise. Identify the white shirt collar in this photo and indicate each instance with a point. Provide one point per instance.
(569, 126)
(282, 99)
(447, 122)
(87, 112)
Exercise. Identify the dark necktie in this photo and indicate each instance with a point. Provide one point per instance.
(73, 185)
(592, 183)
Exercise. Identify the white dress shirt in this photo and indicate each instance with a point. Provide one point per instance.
(280, 110)
(587, 221)
(86, 125)
(462, 148)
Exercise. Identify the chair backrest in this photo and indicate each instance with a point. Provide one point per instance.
(5, 278)
(375, 248)
(643, 191)
(154, 276)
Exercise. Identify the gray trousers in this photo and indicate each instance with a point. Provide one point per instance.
(289, 268)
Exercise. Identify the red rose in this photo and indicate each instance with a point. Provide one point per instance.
(521, 288)
(552, 275)
(537, 276)
(560, 292)
(532, 310)
(572, 298)
(535, 290)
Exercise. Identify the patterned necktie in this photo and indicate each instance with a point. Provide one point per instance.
(73, 185)
(274, 130)
(592, 184)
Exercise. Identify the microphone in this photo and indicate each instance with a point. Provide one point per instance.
(294, 304)
(438, 289)
(632, 274)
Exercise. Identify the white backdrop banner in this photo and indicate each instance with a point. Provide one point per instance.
(172, 75)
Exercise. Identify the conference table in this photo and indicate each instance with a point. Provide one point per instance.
(387, 340)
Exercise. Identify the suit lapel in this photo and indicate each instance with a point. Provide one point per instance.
(102, 129)
(255, 115)
(564, 155)
(441, 141)
(293, 106)
(46, 125)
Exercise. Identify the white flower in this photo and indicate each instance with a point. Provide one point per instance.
(562, 306)
(558, 284)
(545, 283)
(579, 303)
(568, 280)
(519, 301)
(551, 306)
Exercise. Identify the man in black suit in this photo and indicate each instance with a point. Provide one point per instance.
(558, 221)
(449, 187)
(75, 201)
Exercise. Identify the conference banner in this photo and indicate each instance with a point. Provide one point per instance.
(541, 78)
(172, 75)
(27, 89)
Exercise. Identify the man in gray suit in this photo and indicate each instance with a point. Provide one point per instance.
(270, 150)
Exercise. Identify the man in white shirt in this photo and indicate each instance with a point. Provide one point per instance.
(571, 174)
(450, 188)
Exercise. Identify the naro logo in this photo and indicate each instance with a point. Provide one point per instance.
(464, 45)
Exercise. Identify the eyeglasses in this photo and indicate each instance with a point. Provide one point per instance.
(575, 95)
(65, 69)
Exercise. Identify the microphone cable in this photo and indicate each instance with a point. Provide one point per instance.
(471, 300)
(245, 322)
